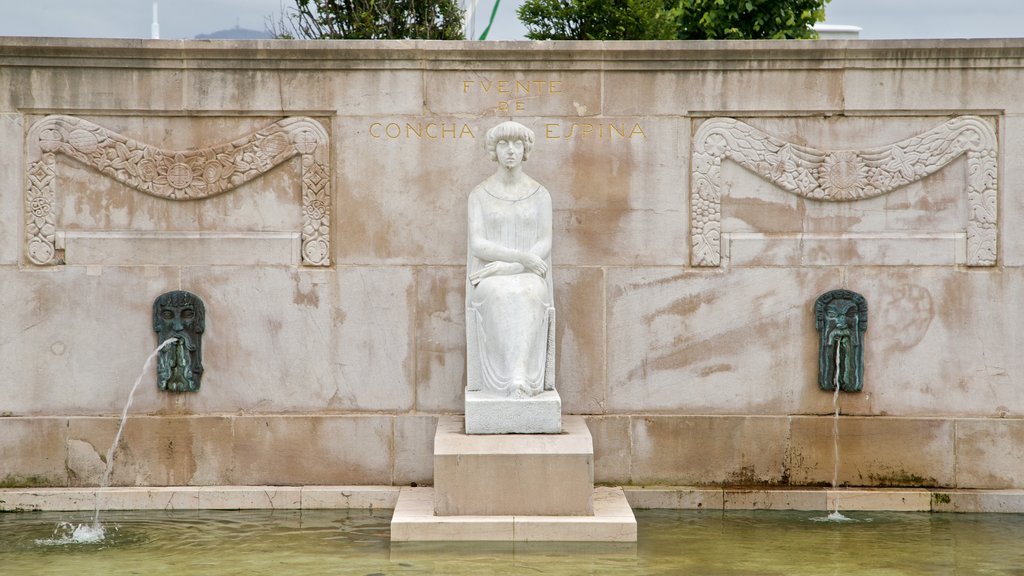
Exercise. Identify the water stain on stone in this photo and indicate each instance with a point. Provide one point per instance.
(306, 295)
(709, 370)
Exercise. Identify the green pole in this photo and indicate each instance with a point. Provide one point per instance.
(494, 11)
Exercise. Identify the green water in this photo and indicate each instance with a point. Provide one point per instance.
(670, 542)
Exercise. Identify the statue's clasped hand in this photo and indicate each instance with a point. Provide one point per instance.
(529, 263)
(496, 268)
(535, 264)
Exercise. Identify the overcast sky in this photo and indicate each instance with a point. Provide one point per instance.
(189, 18)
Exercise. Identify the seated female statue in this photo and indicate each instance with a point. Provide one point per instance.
(510, 315)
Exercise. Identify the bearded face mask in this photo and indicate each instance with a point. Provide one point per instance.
(841, 317)
(182, 316)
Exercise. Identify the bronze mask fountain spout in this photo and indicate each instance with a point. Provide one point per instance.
(182, 316)
(841, 317)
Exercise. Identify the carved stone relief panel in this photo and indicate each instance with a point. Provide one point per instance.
(176, 174)
(843, 175)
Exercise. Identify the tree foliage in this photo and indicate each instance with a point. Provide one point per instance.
(596, 19)
(670, 19)
(371, 20)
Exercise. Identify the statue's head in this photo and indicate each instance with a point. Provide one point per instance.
(179, 315)
(178, 312)
(511, 131)
(841, 317)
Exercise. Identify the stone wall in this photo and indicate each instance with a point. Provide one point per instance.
(705, 193)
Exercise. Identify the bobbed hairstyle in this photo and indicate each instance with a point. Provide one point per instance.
(510, 131)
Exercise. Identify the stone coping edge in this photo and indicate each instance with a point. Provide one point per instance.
(199, 498)
(385, 497)
(843, 499)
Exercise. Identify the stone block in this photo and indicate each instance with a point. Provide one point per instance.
(612, 521)
(276, 330)
(40, 499)
(955, 348)
(349, 497)
(12, 184)
(64, 87)
(331, 333)
(385, 219)
(1011, 204)
(580, 339)
(33, 452)
(978, 501)
(56, 363)
(153, 451)
(148, 498)
(891, 500)
(250, 498)
(888, 83)
(505, 92)
(872, 451)
(440, 338)
(414, 520)
(182, 249)
(314, 449)
(414, 448)
(611, 448)
(514, 474)
(845, 250)
(700, 341)
(641, 93)
(675, 498)
(488, 414)
(695, 450)
(775, 500)
(989, 453)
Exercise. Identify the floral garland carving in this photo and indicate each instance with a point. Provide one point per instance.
(843, 175)
(176, 175)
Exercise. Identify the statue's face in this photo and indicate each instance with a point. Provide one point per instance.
(177, 318)
(509, 152)
(841, 319)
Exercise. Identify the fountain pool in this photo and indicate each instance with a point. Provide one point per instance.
(670, 542)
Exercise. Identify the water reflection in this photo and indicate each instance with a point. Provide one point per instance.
(670, 542)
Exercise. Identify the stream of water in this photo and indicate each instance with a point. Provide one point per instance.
(90, 533)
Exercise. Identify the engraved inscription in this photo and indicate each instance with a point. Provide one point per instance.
(423, 130)
(512, 94)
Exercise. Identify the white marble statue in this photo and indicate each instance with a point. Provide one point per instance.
(510, 315)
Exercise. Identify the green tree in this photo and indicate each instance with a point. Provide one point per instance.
(670, 19)
(370, 20)
(597, 19)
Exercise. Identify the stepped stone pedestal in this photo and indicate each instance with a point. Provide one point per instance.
(523, 487)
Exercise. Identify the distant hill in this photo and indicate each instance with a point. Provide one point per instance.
(236, 33)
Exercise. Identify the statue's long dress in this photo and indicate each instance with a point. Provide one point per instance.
(510, 319)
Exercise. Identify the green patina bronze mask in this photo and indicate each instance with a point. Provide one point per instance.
(182, 316)
(841, 317)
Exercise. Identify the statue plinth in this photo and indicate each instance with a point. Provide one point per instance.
(513, 487)
(490, 414)
(521, 474)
